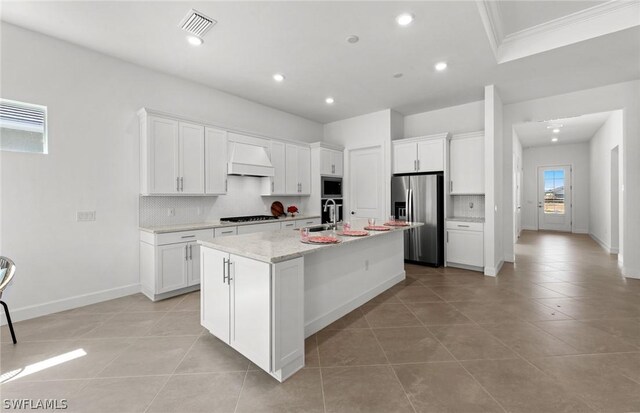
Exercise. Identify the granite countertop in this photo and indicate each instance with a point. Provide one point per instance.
(217, 224)
(283, 245)
(466, 219)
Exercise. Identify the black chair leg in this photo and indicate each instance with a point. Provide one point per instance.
(6, 312)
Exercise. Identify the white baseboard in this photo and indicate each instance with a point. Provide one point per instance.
(631, 272)
(601, 243)
(324, 320)
(510, 257)
(580, 231)
(528, 228)
(493, 271)
(38, 310)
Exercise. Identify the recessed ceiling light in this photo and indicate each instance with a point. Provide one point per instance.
(404, 19)
(554, 139)
(329, 100)
(556, 130)
(353, 39)
(278, 77)
(194, 40)
(397, 75)
(440, 66)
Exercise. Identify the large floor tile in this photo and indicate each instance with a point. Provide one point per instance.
(199, 393)
(372, 389)
(191, 302)
(585, 338)
(126, 325)
(311, 356)
(128, 394)
(179, 323)
(210, 355)
(417, 294)
(389, 315)
(529, 340)
(354, 319)
(626, 329)
(471, 342)
(349, 348)
(520, 387)
(55, 327)
(438, 314)
(149, 356)
(302, 393)
(16, 392)
(444, 387)
(410, 345)
(143, 304)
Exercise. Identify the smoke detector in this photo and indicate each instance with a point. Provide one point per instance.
(197, 24)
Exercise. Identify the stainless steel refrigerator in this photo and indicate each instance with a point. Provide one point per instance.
(420, 198)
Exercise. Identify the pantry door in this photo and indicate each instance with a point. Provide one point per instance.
(554, 198)
(365, 175)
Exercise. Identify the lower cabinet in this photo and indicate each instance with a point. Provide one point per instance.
(465, 244)
(238, 308)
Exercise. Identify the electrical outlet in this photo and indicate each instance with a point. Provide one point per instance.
(171, 212)
(85, 216)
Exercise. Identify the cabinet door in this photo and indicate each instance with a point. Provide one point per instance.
(465, 247)
(172, 267)
(163, 155)
(191, 158)
(215, 309)
(253, 228)
(404, 157)
(431, 155)
(278, 161)
(193, 264)
(292, 180)
(338, 167)
(304, 170)
(326, 161)
(467, 166)
(215, 161)
(251, 309)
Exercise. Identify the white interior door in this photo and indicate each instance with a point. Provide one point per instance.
(554, 198)
(366, 183)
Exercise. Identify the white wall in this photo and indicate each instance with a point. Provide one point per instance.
(493, 149)
(576, 155)
(92, 101)
(605, 139)
(624, 96)
(455, 119)
(518, 189)
(361, 132)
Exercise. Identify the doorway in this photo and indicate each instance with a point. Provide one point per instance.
(554, 198)
(615, 201)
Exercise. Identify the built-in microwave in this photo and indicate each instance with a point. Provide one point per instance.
(331, 187)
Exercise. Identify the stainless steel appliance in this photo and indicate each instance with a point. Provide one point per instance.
(420, 198)
(326, 214)
(331, 187)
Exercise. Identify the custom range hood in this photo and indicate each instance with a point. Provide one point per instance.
(248, 156)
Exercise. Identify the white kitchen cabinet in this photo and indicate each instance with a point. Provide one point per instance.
(331, 162)
(288, 225)
(215, 160)
(465, 244)
(170, 262)
(298, 170)
(215, 311)
(172, 160)
(424, 154)
(225, 231)
(308, 222)
(466, 164)
(263, 227)
(278, 180)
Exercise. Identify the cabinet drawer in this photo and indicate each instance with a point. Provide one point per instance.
(250, 229)
(288, 225)
(183, 236)
(465, 226)
(225, 231)
(307, 222)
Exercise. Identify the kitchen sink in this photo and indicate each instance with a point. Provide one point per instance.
(316, 228)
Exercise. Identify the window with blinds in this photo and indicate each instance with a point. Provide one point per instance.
(23, 127)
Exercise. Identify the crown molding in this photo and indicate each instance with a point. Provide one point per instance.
(596, 21)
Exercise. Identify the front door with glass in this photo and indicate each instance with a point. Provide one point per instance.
(554, 198)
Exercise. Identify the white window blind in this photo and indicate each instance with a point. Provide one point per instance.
(23, 127)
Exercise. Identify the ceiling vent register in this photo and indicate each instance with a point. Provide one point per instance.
(196, 23)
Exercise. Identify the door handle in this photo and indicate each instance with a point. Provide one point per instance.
(190, 252)
(229, 279)
(224, 271)
(539, 204)
(186, 252)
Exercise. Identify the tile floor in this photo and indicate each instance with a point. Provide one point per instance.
(558, 331)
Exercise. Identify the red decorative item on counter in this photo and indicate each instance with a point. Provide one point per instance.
(293, 210)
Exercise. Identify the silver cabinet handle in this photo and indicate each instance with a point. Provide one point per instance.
(463, 226)
(191, 252)
(224, 271)
(229, 271)
(181, 184)
(273, 186)
(227, 232)
(186, 252)
(226, 185)
(333, 169)
(188, 236)
(418, 164)
(447, 237)
(450, 186)
(177, 184)
(415, 168)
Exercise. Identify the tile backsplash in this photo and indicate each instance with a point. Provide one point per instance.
(242, 198)
(468, 206)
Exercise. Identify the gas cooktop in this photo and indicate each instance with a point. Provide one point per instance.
(249, 218)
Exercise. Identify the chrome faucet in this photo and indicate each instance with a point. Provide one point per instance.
(332, 212)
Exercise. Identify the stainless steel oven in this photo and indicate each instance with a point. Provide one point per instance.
(331, 187)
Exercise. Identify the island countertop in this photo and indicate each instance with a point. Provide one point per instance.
(217, 224)
(277, 246)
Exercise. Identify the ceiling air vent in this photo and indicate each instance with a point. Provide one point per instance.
(196, 23)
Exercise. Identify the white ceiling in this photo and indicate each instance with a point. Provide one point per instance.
(574, 130)
(520, 15)
(306, 42)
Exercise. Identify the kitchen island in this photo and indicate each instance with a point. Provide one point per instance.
(264, 293)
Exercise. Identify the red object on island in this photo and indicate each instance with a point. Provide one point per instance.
(292, 209)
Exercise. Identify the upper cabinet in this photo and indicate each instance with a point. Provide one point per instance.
(191, 158)
(215, 146)
(331, 162)
(424, 154)
(297, 170)
(467, 164)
